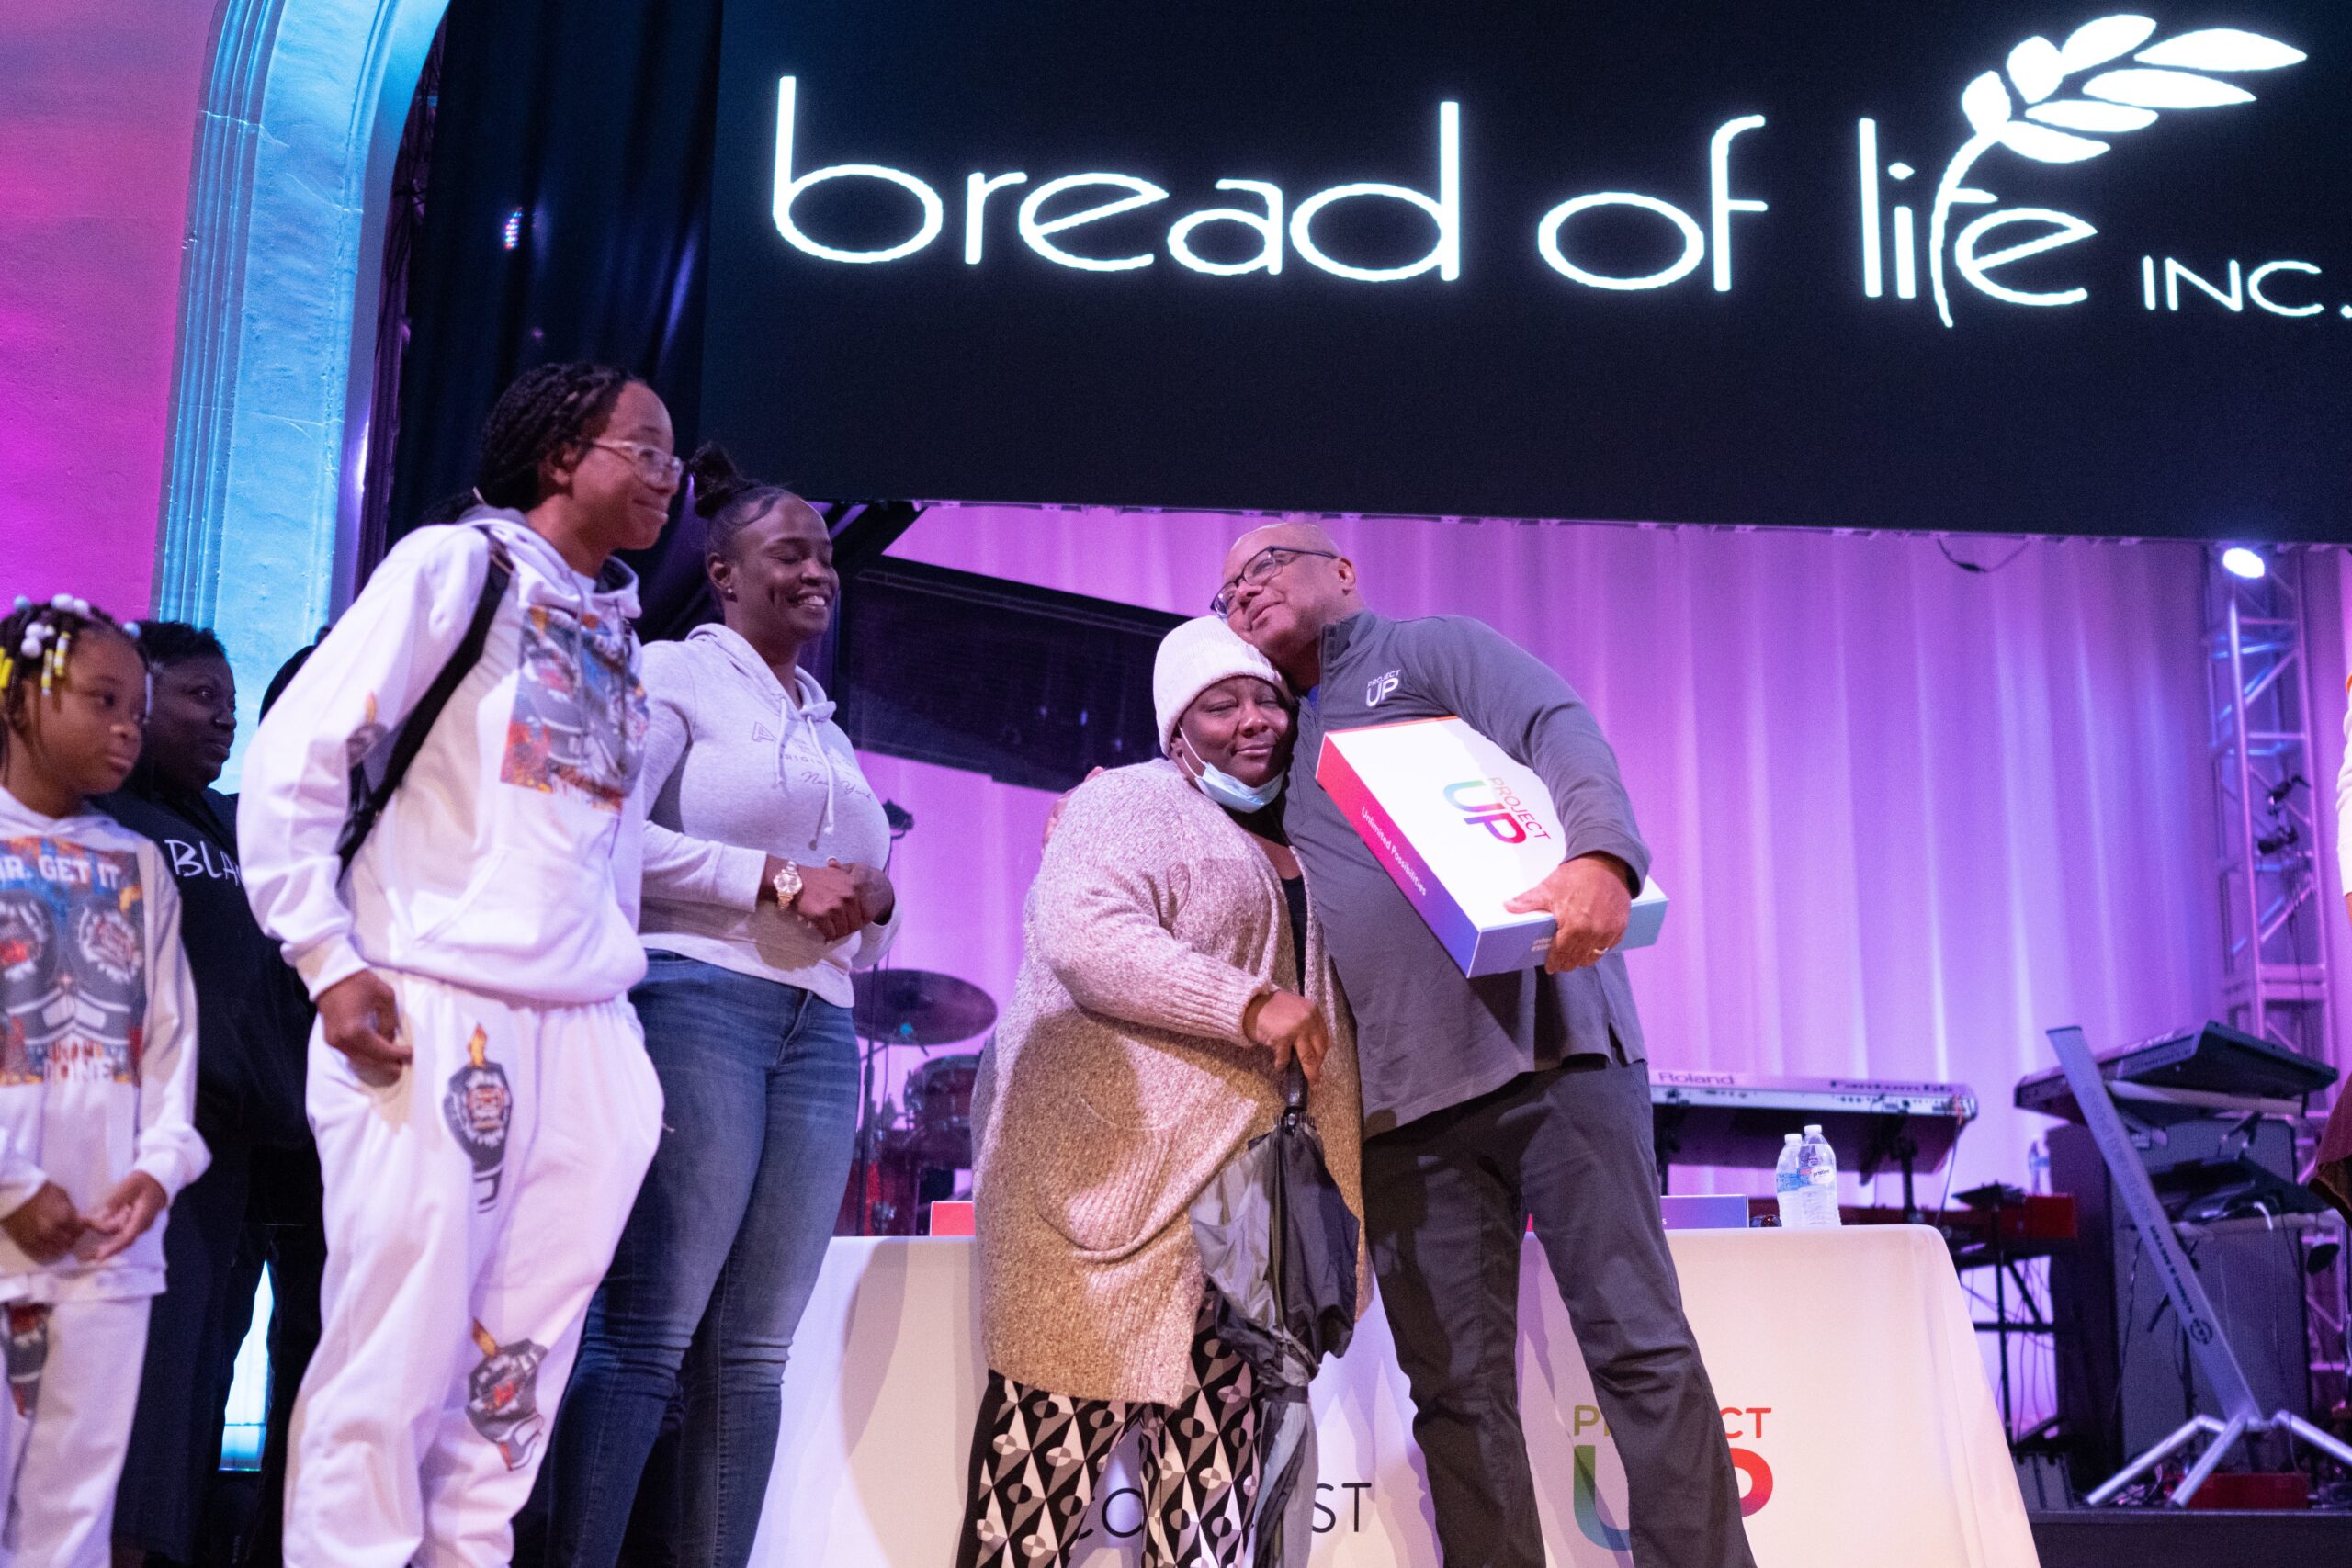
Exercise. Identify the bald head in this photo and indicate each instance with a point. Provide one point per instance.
(1295, 536)
(1282, 600)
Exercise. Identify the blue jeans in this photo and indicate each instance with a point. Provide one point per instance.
(759, 1082)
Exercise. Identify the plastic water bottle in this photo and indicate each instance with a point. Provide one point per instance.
(1788, 1184)
(1805, 1182)
(1817, 1164)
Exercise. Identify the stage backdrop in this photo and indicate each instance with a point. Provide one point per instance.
(1909, 817)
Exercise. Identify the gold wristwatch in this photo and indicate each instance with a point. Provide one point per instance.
(786, 883)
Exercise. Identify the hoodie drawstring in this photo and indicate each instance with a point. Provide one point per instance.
(811, 714)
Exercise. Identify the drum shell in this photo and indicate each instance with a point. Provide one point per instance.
(939, 1110)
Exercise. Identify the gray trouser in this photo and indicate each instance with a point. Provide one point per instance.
(1447, 1200)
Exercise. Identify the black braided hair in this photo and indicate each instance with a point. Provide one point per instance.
(728, 500)
(544, 411)
(287, 671)
(50, 628)
(166, 643)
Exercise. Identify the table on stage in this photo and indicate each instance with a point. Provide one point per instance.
(1853, 1396)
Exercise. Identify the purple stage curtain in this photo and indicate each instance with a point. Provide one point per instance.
(1909, 817)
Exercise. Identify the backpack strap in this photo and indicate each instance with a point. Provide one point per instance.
(368, 801)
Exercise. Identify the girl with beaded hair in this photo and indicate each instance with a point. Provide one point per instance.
(477, 1084)
(97, 1077)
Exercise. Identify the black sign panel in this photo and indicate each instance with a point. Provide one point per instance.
(2011, 266)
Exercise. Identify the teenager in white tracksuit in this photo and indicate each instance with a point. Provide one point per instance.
(478, 1083)
(98, 1080)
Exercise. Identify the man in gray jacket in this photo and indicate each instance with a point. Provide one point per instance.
(1489, 1101)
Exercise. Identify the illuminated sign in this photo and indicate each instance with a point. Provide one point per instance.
(2040, 267)
(2125, 92)
(1037, 231)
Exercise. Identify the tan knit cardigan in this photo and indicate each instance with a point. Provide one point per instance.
(1119, 1083)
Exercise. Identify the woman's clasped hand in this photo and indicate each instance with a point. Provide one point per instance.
(1288, 1024)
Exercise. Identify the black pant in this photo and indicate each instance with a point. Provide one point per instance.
(1447, 1200)
(286, 1233)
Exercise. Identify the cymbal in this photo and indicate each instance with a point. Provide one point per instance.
(916, 1007)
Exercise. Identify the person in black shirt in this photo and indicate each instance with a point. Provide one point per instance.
(253, 1021)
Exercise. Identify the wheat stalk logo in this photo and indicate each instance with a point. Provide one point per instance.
(2023, 114)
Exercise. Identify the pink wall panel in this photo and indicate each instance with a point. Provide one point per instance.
(98, 106)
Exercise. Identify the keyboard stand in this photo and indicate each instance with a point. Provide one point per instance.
(2242, 1414)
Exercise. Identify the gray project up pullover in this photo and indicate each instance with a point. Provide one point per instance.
(1426, 1037)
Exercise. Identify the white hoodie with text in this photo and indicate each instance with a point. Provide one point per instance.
(97, 1039)
(509, 862)
(738, 769)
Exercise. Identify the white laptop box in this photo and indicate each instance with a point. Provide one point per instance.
(1461, 829)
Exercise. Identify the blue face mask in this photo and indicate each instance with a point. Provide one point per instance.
(1230, 792)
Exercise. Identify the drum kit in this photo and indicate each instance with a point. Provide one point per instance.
(904, 1161)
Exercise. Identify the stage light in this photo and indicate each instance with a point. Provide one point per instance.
(513, 232)
(2239, 561)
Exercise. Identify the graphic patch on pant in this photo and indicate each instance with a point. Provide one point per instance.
(502, 1396)
(28, 1352)
(480, 1107)
(361, 743)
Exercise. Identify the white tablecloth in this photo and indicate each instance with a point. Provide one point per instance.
(1854, 1400)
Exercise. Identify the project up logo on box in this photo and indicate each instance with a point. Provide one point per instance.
(1461, 829)
(2052, 101)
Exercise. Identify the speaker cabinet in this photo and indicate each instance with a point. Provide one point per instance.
(2125, 1378)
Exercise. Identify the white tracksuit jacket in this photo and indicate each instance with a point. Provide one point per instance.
(510, 860)
(472, 1202)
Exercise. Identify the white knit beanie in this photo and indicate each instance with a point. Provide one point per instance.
(1194, 657)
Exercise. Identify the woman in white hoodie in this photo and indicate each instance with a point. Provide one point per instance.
(763, 890)
(476, 1082)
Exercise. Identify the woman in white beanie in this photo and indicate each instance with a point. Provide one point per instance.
(1169, 974)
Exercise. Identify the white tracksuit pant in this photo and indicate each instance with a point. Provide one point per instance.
(65, 1424)
(471, 1209)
